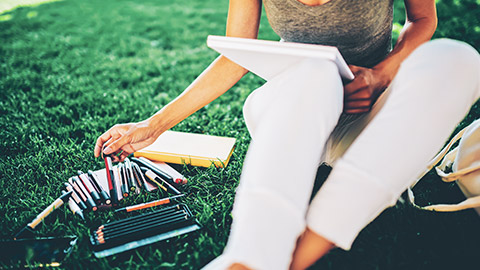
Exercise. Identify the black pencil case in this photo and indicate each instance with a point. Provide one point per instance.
(141, 230)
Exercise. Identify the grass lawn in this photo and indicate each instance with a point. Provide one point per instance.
(71, 69)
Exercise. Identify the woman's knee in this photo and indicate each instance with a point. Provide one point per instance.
(312, 86)
(446, 54)
(317, 78)
(442, 65)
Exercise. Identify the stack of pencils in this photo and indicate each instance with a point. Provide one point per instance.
(128, 232)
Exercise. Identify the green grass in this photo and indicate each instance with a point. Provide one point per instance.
(69, 70)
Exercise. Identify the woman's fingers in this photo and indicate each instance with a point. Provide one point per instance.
(101, 142)
(359, 102)
(358, 110)
(117, 144)
(106, 139)
(122, 140)
(123, 156)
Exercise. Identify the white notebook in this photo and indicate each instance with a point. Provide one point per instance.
(269, 58)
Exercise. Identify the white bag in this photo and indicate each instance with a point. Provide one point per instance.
(465, 169)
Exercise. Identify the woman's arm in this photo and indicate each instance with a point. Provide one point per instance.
(243, 21)
(361, 93)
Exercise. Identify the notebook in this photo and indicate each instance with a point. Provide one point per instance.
(190, 148)
(268, 58)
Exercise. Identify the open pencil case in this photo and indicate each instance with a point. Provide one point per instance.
(141, 230)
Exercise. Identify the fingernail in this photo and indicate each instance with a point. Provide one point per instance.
(107, 150)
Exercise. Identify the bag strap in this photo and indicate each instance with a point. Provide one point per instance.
(472, 202)
(450, 177)
(440, 155)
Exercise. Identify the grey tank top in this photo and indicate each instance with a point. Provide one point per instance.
(360, 29)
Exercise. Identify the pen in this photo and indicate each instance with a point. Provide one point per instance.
(150, 165)
(153, 176)
(28, 230)
(79, 192)
(129, 172)
(111, 180)
(138, 180)
(123, 177)
(162, 173)
(77, 185)
(95, 182)
(140, 177)
(148, 204)
(74, 207)
(75, 196)
(89, 187)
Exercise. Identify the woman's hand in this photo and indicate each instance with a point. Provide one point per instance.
(123, 139)
(363, 91)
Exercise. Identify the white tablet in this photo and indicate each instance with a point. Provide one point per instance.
(268, 58)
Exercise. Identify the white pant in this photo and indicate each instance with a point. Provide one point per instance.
(290, 119)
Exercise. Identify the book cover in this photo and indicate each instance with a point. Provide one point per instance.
(190, 148)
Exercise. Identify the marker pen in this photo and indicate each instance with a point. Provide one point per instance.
(80, 193)
(111, 180)
(28, 230)
(154, 176)
(130, 177)
(150, 165)
(79, 188)
(74, 207)
(123, 177)
(141, 177)
(89, 187)
(75, 196)
(162, 173)
(95, 181)
(138, 180)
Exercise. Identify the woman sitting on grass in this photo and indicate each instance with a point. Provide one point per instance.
(393, 117)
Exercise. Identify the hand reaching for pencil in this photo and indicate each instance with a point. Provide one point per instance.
(123, 139)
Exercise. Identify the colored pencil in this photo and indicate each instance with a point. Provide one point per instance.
(148, 204)
(137, 224)
(150, 228)
(141, 217)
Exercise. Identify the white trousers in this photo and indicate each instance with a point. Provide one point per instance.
(291, 118)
